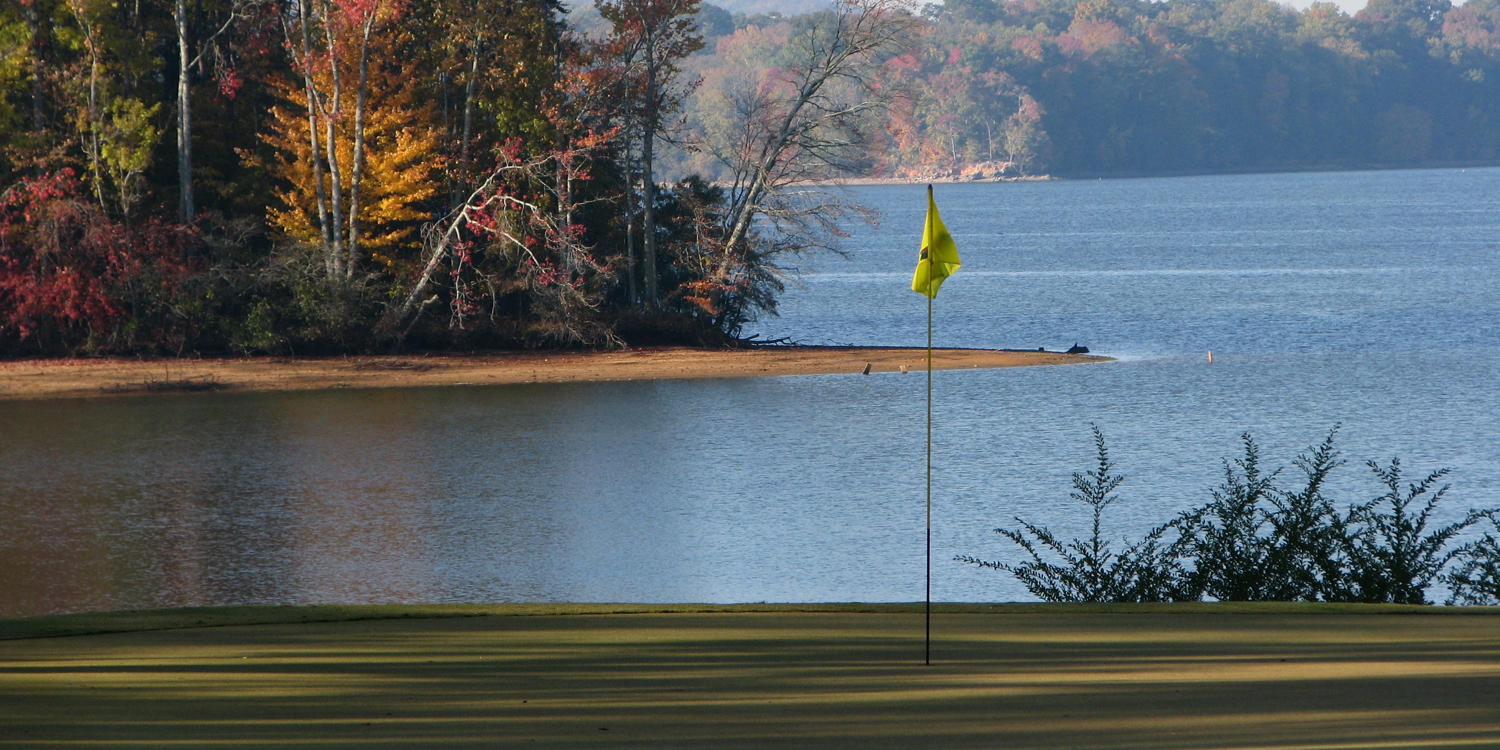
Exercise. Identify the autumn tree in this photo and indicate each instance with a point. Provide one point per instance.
(652, 37)
(72, 277)
(519, 234)
(376, 172)
(359, 183)
(491, 67)
(187, 60)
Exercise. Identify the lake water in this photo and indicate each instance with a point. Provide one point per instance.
(1367, 299)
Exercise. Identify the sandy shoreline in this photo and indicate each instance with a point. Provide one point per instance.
(71, 378)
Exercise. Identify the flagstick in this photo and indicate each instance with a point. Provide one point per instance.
(927, 642)
(927, 659)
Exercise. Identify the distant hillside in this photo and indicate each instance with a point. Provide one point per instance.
(740, 7)
(784, 7)
(715, 19)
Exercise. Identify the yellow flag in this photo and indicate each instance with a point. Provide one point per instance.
(939, 257)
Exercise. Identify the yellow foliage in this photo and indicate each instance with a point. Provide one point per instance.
(403, 156)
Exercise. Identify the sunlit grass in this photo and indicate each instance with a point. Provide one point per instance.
(90, 623)
(848, 676)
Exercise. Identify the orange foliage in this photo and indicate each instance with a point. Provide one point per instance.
(403, 156)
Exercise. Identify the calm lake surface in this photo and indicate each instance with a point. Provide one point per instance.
(1367, 299)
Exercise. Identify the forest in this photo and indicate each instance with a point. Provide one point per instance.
(185, 177)
(1115, 87)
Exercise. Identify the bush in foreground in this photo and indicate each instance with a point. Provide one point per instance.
(1475, 578)
(1255, 540)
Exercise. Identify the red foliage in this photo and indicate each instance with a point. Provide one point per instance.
(1466, 26)
(1028, 46)
(67, 267)
(1084, 38)
(229, 83)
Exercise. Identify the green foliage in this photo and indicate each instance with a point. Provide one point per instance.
(14, 40)
(1475, 579)
(1089, 570)
(1307, 548)
(1396, 559)
(1225, 538)
(1255, 541)
(125, 150)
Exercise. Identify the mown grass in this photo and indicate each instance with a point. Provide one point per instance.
(95, 623)
(1189, 677)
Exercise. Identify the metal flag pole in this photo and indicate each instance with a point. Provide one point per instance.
(927, 643)
(928, 655)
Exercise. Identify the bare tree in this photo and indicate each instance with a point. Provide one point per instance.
(304, 64)
(653, 36)
(805, 122)
(186, 61)
(781, 131)
(88, 26)
(506, 214)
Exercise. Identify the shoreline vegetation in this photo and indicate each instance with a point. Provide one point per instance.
(33, 379)
(1155, 174)
(946, 180)
(267, 179)
(1318, 168)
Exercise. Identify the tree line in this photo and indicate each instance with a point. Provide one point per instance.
(303, 176)
(1122, 87)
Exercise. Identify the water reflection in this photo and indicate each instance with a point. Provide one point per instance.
(810, 488)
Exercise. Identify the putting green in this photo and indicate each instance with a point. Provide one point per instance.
(845, 677)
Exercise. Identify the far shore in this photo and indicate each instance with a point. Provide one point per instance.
(1274, 169)
(861, 181)
(29, 379)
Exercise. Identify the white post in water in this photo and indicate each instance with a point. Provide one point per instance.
(1210, 356)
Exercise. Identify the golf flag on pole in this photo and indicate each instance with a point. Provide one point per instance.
(939, 257)
(938, 261)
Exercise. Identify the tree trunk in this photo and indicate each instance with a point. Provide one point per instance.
(312, 134)
(648, 180)
(330, 137)
(359, 146)
(741, 226)
(463, 153)
(565, 175)
(34, 21)
(630, 261)
(95, 125)
(184, 118)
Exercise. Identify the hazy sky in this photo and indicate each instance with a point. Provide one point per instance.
(1350, 6)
